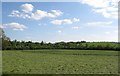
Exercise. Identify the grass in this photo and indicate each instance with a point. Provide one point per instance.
(60, 62)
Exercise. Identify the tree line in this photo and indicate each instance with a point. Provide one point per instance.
(29, 45)
(7, 44)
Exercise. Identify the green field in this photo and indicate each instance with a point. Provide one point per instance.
(60, 62)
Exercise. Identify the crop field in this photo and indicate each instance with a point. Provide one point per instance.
(60, 62)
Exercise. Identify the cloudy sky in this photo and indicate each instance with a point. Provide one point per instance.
(90, 20)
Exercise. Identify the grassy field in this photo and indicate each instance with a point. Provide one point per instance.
(60, 62)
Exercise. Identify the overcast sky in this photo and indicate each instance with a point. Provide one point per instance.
(90, 20)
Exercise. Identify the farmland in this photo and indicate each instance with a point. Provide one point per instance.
(60, 62)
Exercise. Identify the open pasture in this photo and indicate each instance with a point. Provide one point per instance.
(60, 62)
